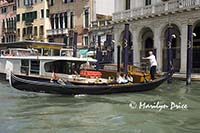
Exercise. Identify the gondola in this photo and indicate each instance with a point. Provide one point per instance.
(41, 85)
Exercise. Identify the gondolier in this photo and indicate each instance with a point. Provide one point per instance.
(153, 64)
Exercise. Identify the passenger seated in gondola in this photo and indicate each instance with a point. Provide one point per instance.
(129, 78)
(121, 79)
(54, 78)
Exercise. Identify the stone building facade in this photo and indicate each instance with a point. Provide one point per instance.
(69, 16)
(7, 21)
(149, 21)
(32, 20)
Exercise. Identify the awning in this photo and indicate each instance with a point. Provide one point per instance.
(82, 51)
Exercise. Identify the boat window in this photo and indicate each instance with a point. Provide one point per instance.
(35, 66)
(25, 66)
(64, 67)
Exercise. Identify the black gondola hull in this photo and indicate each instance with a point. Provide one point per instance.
(33, 84)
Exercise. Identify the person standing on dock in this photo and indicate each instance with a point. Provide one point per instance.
(153, 64)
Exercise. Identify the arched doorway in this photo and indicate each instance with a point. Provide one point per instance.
(176, 48)
(196, 49)
(130, 47)
(147, 42)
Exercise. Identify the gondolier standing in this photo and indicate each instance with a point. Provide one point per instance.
(153, 64)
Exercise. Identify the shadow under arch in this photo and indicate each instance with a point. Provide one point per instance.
(176, 47)
(196, 47)
(146, 41)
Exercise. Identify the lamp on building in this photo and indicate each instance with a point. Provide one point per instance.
(174, 36)
(194, 34)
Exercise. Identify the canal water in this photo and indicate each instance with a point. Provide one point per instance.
(170, 108)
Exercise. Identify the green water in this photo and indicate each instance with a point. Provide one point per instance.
(23, 112)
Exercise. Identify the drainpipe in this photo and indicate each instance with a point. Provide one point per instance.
(126, 43)
(189, 55)
(169, 51)
(99, 46)
(97, 58)
(110, 48)
(118, 58)
(75, 44)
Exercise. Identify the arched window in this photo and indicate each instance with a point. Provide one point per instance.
(127, 5)
(147, 2)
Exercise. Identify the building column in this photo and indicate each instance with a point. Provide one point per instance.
(183, 48)
(58, 21)
(54, 19)
(69, 18)
(63, 15)
(157, 46)
(136, 50)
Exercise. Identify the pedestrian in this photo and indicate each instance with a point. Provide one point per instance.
(153, 64)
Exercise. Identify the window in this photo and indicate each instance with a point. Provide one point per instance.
(25, 66)
(61, 21)
(66, 40)
(18, 17)
(18, 3)
(29, 2)
(68, 1)
(147, 2)
(86, 18)
(42, 13)
(86, 40)
(29, 16)
(52, 22)
(4, 10)
(127, 5)
(51, 2)
(47, 13)
(66, 20)
(14, 8)
(35, 66)
(41, 30)
(29, 30)
(56, 21)
(18, 32)
(24, 32)
(35, 30)
(4, 24)
(72, 20)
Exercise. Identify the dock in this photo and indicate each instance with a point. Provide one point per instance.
(182, 76)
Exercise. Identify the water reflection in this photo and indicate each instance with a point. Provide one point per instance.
(25, 112)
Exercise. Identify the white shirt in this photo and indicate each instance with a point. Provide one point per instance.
(152, 60)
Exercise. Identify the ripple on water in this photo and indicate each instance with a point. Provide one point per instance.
(25, 112)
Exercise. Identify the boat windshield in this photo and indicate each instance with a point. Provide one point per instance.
(67, 67)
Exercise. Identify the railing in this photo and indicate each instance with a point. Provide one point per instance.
(57, 31)
(158, 8)
(101, 23)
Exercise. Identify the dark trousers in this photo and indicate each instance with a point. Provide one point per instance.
(153, 72)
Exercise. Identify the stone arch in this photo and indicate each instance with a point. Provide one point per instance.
(196, 47)
(130, 47)
(146, 41)
(176, 47)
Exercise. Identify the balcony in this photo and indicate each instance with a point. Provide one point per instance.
(101, 24)
(157, 9)
(57, 32)
(9, 30)
(29, 21)
(28, 37)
